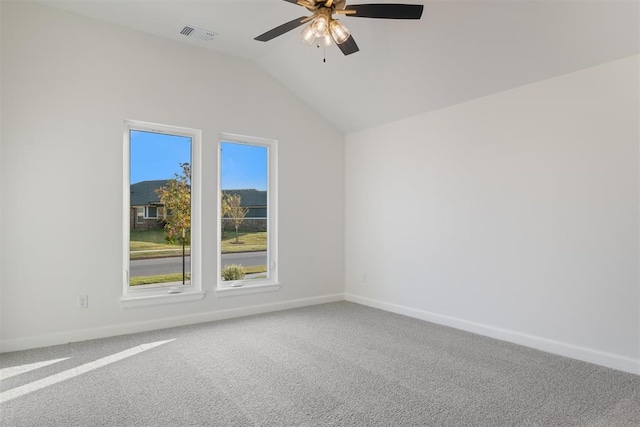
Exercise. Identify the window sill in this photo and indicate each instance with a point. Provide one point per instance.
(159, 298)
(231, 291)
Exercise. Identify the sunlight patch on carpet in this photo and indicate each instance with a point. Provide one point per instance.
(17, 370)
(74, 372)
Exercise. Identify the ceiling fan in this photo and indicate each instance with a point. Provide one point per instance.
(323, 26)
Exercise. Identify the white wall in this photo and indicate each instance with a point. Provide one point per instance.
(515, 215)
(68, 83)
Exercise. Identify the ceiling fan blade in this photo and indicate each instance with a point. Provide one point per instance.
(280, 30)
(349, 46)
(386, 10)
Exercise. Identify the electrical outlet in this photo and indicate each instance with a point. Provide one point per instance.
(83, 301)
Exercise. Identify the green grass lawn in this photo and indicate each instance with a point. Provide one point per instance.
(249, 241)
(148, 243)
(149, 236)
(161, 278)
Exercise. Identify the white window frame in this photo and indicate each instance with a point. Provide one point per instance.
(271, 283)
(138, 297)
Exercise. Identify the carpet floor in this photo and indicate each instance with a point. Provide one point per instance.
(338, 364)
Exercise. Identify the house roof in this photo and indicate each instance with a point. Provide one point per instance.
(250, 197)
(143, 192)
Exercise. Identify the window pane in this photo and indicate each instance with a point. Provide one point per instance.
(244, 212)
(160, 181)
(152, 211)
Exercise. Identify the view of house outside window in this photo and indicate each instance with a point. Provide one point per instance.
(244, 212)
(160, 206)
(160, 210)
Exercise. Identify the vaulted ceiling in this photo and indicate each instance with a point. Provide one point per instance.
(458, 51)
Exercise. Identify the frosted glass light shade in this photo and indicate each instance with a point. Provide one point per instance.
(308, 34)
(339, 31)
(321, 26)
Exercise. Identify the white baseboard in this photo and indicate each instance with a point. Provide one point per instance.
(563, 349)
(568, 350)
(150, 325)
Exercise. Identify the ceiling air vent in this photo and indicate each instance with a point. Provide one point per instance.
(198, 33)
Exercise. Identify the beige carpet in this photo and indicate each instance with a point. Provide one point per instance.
(338, 364)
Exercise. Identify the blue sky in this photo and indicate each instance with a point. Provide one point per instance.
(243, 166)
(158, 156)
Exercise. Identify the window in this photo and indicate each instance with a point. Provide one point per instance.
(152, 211)
(160, 251)
(247, 217)
(164, 205)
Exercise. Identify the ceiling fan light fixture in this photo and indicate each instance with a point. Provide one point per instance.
(339, 31)
(321, 26)
(308, 34)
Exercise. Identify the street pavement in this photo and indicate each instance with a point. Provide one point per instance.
(168, 265)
